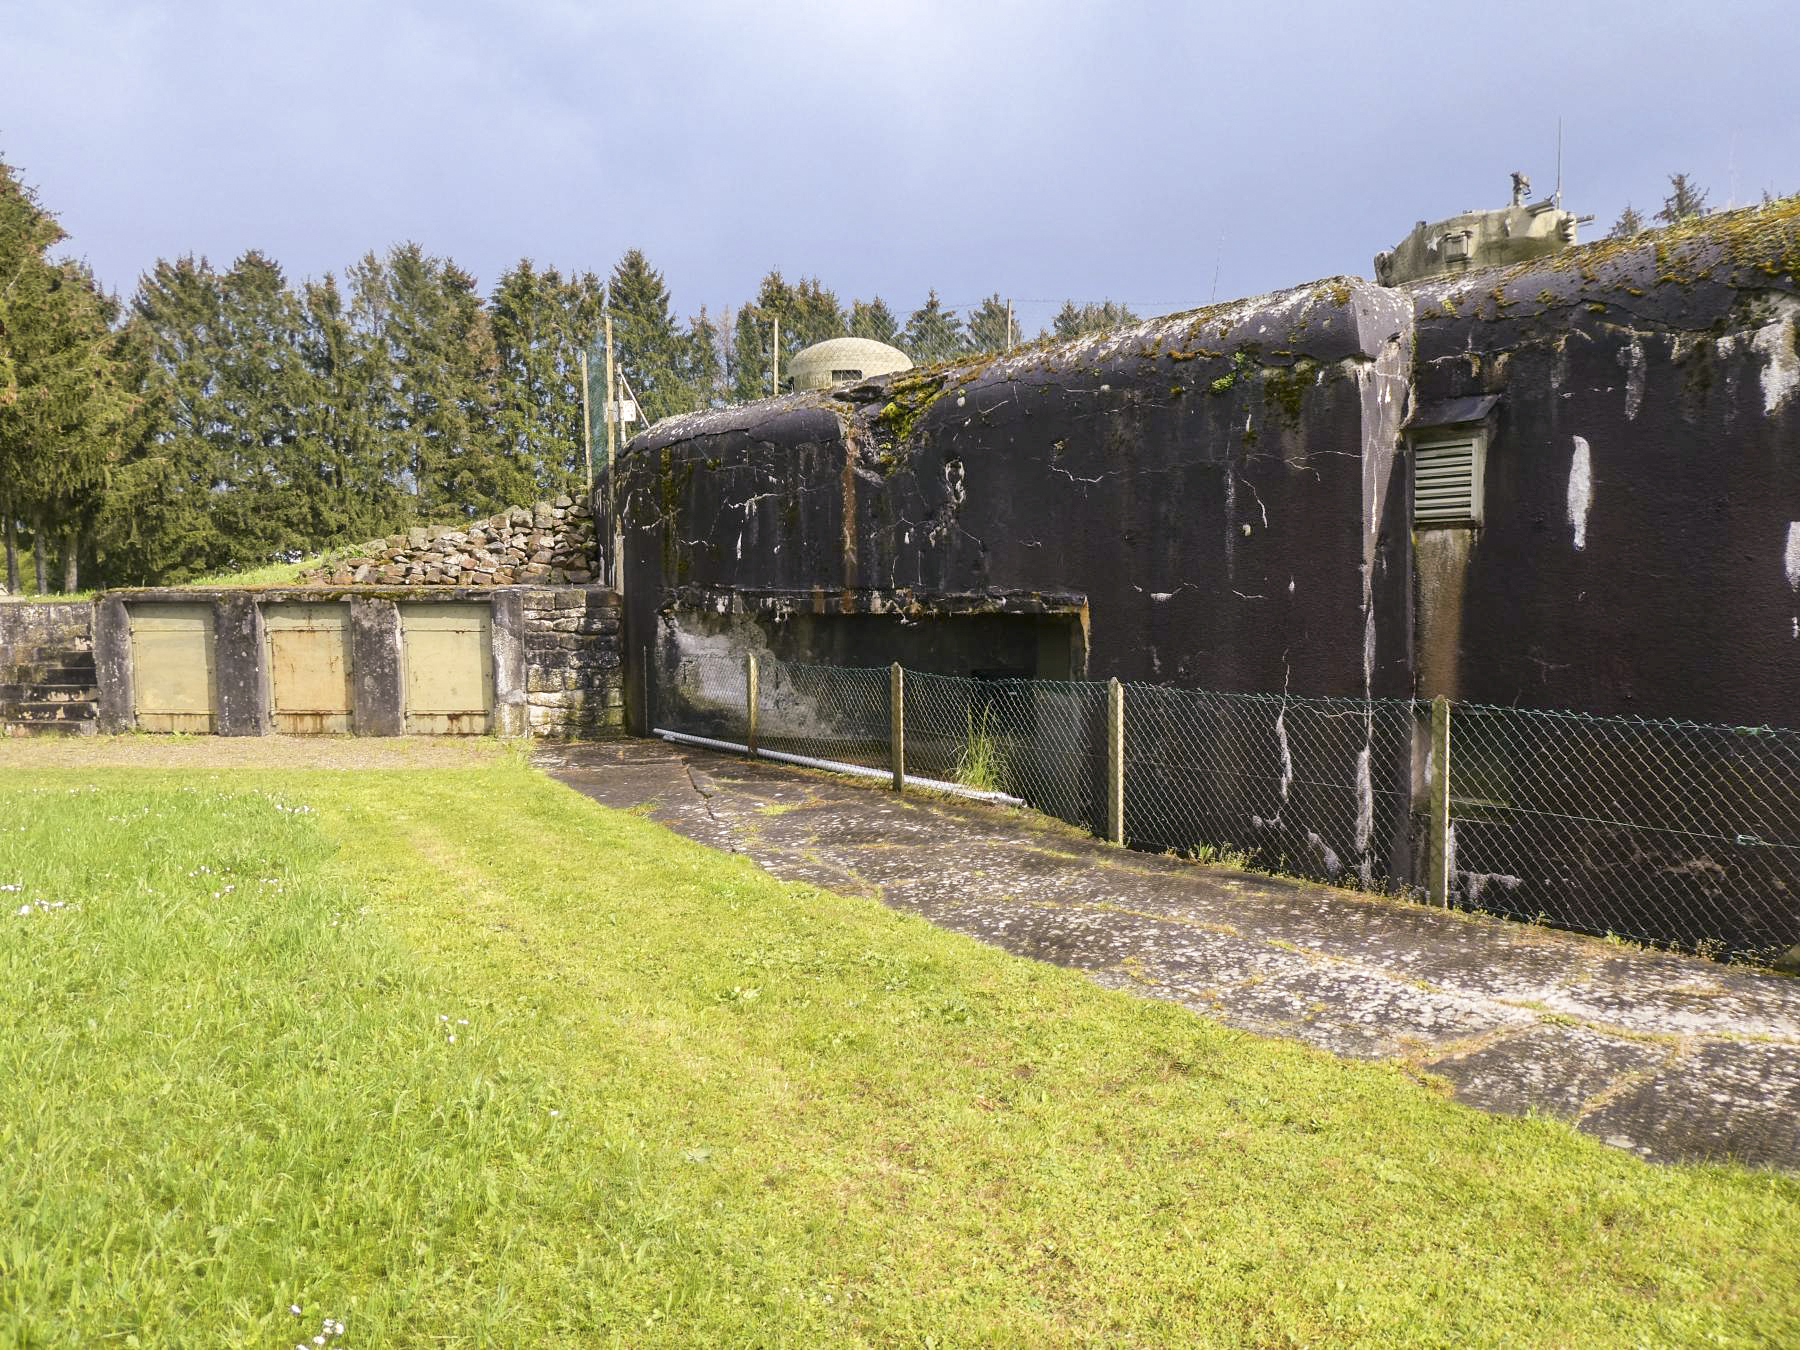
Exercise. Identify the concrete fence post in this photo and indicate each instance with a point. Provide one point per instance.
(751, 699)
(1439, 853)
(1115, 761)
(897, 724)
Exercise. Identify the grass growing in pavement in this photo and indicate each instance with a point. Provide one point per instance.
(456, 1057)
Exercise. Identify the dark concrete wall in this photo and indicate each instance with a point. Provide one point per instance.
(1643, 481)
(1218, 488)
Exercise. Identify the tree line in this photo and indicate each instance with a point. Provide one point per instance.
(225, 418)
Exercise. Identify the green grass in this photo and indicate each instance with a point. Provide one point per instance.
(271, 574)
(691, 1105)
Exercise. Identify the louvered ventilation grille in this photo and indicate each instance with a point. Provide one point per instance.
(1444, 486)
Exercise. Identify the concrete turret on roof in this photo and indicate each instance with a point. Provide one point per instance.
(845, 360)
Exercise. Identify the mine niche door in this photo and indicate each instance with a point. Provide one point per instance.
(449, 668)
(172, 678)
(309, 668)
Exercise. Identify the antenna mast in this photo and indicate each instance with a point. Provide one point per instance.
(1558, 197)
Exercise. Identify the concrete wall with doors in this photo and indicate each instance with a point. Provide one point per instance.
(373, 661)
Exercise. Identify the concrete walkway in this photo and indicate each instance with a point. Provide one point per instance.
(1674, 1058)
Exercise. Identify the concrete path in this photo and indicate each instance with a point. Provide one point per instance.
(1672, 1057)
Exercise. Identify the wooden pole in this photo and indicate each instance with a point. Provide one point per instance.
(1441, 862)
(587, 430)
(1115, 761)
(751, 699)
(897, 724)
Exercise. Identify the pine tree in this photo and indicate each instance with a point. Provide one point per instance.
(1629, 224)
(874, 320)
(1686, 199)
(933, 333)
(990, 325)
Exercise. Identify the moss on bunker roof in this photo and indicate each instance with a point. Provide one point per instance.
(1746, 248)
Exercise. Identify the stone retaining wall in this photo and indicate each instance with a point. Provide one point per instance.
(574, 685)
(551, 543)
(47, 683)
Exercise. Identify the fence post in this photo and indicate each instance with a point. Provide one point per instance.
(1115, 761)
(1438, 883)
(750, 702)
(897, 724)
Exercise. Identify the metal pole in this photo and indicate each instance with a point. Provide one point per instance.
(775, 359)
(1441, 861)
(897, 724)
(750, 701)
(614, 567)
(587, 430)
(1009, 329)
(1115, 761)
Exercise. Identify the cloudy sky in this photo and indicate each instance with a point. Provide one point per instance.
(1154, 153)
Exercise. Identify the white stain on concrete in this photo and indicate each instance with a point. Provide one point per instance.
(1775, 342)
(1581, 491)
(1633, 359)
(1792, 559)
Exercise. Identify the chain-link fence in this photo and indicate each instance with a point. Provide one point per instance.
(1312, 787)
(1667, 832)
(1031, 739)
(1672, 833)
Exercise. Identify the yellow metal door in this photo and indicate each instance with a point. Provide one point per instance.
(172, 680)
(309, 667)
(449, 669)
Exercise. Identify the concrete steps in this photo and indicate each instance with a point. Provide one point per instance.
(49, 693)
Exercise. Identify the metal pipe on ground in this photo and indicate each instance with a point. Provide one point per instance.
(838, 766)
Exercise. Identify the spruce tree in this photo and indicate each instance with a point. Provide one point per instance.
(61, 401)
(703, 363)
(933, 333)
(158, 519)
(1686, 199)
(649, 347)
(990, 325)
(1629, 224)
(1074, 320)
(874, 320)
(541, 324)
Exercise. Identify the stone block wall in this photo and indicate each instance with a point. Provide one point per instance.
(47, 681)
(574, 684)
(551, 543)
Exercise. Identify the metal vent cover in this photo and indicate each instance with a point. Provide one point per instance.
(1447, 480)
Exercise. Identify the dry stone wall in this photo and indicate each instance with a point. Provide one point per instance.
(551, 543)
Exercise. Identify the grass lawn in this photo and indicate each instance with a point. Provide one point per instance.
(459, 1058)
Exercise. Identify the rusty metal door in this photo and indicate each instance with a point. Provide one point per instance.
(309, 667)
(449, 669)
(172, 677)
